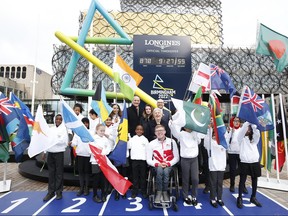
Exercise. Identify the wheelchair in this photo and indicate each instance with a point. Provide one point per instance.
(151, 189)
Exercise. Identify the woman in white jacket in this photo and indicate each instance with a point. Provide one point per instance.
(249, 137)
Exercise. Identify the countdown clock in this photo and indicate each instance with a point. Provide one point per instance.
(165, 64)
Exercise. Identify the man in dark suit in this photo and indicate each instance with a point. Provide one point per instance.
(166, 113)
(134, 113)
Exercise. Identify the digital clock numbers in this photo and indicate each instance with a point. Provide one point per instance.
(162, 61)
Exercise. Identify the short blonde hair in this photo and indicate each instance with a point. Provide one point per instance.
(157, 109)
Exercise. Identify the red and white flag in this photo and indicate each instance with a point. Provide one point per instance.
(201, 78)
(109, 170)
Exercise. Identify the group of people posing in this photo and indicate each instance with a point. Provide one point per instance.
(156, 143)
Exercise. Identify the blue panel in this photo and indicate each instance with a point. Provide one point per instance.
(268, 206)
(25, 203)
(28, 203)
(164, 59)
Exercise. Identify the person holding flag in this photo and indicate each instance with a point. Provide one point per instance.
(83, 160)
(103, 143)
(249, 137)
(55, 159)
(233, 151)
(189, 141)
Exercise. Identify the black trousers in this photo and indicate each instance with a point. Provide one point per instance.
(139, 168)
(234, 161)
(55, 163)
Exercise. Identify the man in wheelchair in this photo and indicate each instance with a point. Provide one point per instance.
(162, 154)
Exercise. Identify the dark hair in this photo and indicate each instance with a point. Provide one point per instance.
(85, 120)
(119, 113)
(250, 134)
(92, 112)
(79, 106)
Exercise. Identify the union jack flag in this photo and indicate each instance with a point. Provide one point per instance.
(252, 108)
(5, 105)
(255, 101)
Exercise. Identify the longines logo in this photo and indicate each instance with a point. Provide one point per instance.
(162, 43)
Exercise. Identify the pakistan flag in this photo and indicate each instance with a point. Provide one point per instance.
(191, 116)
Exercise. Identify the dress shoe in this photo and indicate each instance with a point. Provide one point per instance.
(255, 201)
(80, 192)
(214, 203)
(245, 191)
(48, 196)
(124, 196)
(104, 197)
(188, 201)
(58, 195)
(117, 196)
(239, 202)
(96, 199)
(206, 190)
(220, 202)
(232, 189)
(194, 201)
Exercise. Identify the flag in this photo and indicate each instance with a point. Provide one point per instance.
(280, 125)
(72, 122)
(227, 83)
(4, 151)
(109, 170)
(15, 126)
(201, 78)
(219, 126)
(41, 135)
(263, 148)
(216, 82)
(126, 77)
(272, 43)
(235, 99)
(191, 116)
(25, 110)
(271, 143)
(4, 142)
(252, 108)
(198, 96)
(118, 155)
(99, 103)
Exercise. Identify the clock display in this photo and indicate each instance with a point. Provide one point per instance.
(162, 61)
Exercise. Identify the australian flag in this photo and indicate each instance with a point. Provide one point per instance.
(221, 80)
(15, 125)
(254, 109)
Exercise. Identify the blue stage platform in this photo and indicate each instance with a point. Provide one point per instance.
(30, 203)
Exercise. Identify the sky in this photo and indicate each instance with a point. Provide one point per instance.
(28, 26)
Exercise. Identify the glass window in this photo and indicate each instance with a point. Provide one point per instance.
(18, 73)
(12, 72)
(2, 72)
(24, 69)
(7, 73)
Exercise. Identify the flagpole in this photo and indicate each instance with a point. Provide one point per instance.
(114, 83)
(90, 74)
(275, 137)
(266, 152)
(5, 185)
(283, 127)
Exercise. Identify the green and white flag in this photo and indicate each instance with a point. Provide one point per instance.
(192, 116)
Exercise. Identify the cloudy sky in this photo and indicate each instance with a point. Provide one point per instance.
(28, 26)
